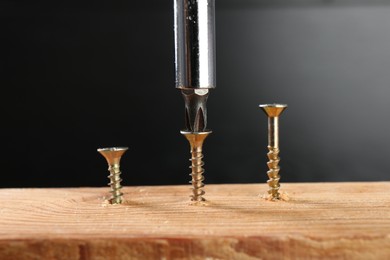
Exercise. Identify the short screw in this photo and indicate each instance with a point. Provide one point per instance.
(196, 140)
(113, 156)
(273, 111)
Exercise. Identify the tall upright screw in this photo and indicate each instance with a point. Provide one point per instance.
(196, 140)
(273, 111)
(113, 156)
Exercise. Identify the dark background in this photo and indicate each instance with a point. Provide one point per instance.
(77, 76)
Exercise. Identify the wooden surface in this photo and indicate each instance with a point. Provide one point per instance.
(320, 221)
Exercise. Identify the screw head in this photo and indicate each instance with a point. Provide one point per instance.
(273, 110)
(112, 154)
(196, 139)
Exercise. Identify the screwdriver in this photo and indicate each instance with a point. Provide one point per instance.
(194, 29)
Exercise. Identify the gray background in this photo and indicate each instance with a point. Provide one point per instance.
(78, 76)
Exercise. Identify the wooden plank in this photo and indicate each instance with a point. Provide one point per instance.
(321, 220)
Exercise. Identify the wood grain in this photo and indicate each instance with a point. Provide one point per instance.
(320, 221)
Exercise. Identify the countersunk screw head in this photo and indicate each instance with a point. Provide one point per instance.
(273, 110)
(112, 154)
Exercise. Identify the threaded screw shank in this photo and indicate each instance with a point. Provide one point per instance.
(273, 172)
(115, 184)
(197, 174)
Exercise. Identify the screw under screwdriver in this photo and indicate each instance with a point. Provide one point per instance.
(196, 142)
(113, 156)
(273, 111)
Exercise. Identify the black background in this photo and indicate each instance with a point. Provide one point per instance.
(77, 76)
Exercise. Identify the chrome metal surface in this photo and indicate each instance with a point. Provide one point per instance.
(194, 26)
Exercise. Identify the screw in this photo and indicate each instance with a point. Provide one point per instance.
(113, 156)
(273, 111)
(196, 140)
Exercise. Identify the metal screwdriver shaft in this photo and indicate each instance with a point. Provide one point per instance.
(194, 26)
(113, 156)
(273, 111)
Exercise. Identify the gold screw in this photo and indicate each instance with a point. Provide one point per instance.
(113, 156)
(273, 111)
(196, 140)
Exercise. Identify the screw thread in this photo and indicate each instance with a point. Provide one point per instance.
(273, 172)
(197, 174)
(115, 184)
